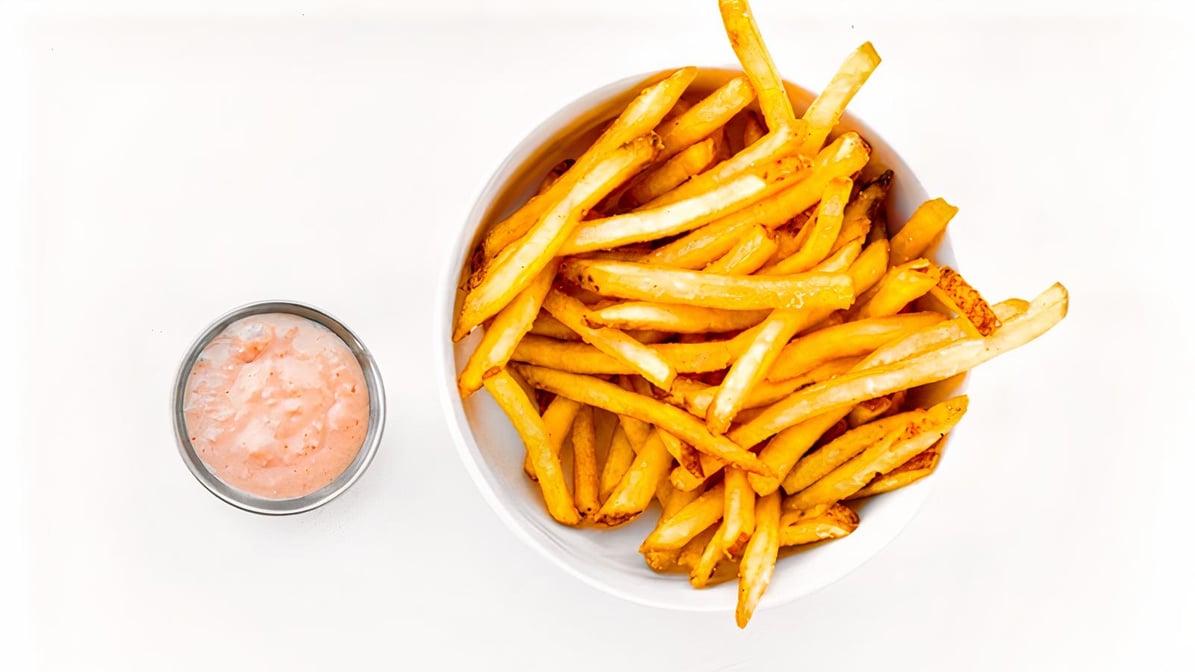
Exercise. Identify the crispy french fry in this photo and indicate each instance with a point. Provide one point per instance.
(517, 265)
(840, 260)
(550, 327)
(846, 340)
(638, 484)
(753, 129)
(918, 467)
(825, 110)
(650, 283)
(686, 481)
(558, 419)
(738, 512)
(766, 393)
(1010, 308)
(553, 175)
(612, 342)
(672, 173)
(869, 267)
(757, 64)
(894, 449)
(585, 472)
(819, 234)
(864, 209)
(674, 318)
(677, 500)
(759, 558)
(685, 455)
(941, 363)
(636, 430)
(680, 528)
(923, 228)
(843, 157)
(787, 447)
(747, 256)
(917, 343)
(819, 523)
(690, 553)
(960, 297)
(874, 409)
(637, 119)
(706, 117)
(599, 393)
(899, 287)
(712, 553)
(527, 421)
(584, 358)
(815, 465)
(505, 332)
(618, 460)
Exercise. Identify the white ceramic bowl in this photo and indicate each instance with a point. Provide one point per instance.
(493, 453)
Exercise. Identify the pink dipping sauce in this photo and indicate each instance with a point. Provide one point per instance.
(276, 406)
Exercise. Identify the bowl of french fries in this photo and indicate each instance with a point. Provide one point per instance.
(704, 338)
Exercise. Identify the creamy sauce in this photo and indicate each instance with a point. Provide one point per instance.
(276, 406)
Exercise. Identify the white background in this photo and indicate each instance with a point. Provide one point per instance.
(164, 165)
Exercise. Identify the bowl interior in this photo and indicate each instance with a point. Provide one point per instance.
(493, 452)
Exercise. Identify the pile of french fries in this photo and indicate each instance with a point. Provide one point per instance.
(706, 309)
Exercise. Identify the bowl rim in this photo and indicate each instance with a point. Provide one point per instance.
(312, 500)
(459, 254)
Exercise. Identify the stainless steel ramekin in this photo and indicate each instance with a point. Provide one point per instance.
(369, 446)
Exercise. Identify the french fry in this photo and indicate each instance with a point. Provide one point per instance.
(766, 393)
(680, 216)
(684, 480)
(673, 318)
(553, 175)
(685, 455)
(586, 490)
(869, 267)
(518, 264)
(546, 325)
(759, 558)
(599, 393)
(923, 228)
(819, 234)
(636, 430)
(747, 256)
(846, 340)
(637, 119)
(874, 409)
(638, 484)
(886, 454)
(863, 210)
(712, 553)
(786, 448)
(819, 523)
(530, 426)
(964, 300)
(815, 465)
(841, 259)
(672, 173)
(899, 287)
(680, 528)
(918, 467)
(1010, 308)
(938, 364)
(738, 512)
(505, 332)
(677, 500)
(612, 342)
(753, 129)
(644, 282)
(558, 419)
(618, 459)
(823, 113)
(757, 64)
(690, 553)
(843, 157)
(706, 117)
(584, 358)
(917, 343)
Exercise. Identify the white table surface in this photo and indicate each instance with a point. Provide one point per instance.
(180, 162)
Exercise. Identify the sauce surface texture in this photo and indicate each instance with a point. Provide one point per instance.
(276, 406)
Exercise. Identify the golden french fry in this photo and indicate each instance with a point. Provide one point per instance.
(757, 64)
(1010, 308)
(917, 343)
(612, 342)
(825, 110)
(712, 553)
(819, 523)
(584, 358)
(819, 234)
(918, 467)
(863, 210)
(599, 393)
(517, 265)
(869, 267)
(505, 332)
(558, 420)
(706, 117)
(690, 553)
(672, 173)
(786, 448)
(766, 392)
(747, 256)
(677, 500)
(843, 157)
(941, 363)
(673, 318)
(638, 484)
(738, 512)
(923, 228)
(618, 459)
(651, 283)
(840, 260)
(815, 465)
(550, 327)
(846, 340)
(685, 481)
(874, 409)
(530, 426)
(897, 289)
(680, 528)
(636, 430)
(553, 175)
(685, 455)
(753, 129)
(759, 558)
(894, 449)
(637, 119)
(586, 490)
(960, 297)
